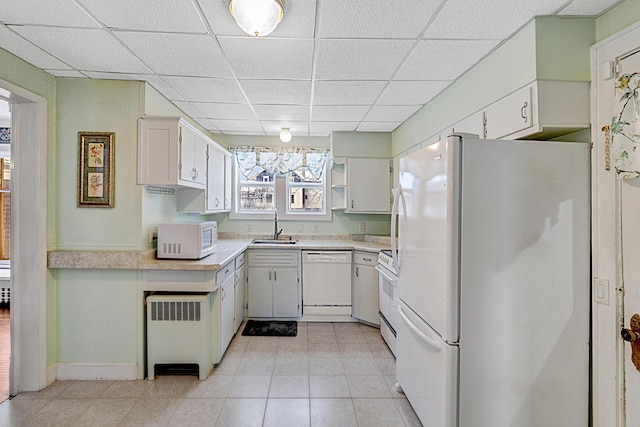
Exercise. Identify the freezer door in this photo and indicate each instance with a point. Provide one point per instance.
(429, 235)
(427, 370)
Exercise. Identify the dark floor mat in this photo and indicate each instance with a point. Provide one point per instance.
(271, 328)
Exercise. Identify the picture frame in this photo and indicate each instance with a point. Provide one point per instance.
(96, 154)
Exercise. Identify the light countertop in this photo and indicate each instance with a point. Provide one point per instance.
(226, 251)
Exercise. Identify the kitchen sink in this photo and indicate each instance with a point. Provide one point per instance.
(273, 242)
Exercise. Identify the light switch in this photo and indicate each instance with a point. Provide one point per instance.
(601, 291)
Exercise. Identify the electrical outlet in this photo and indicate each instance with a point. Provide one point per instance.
(300, 228)
(249, 227)
(362, 226)
(153, 234)
(315, 228)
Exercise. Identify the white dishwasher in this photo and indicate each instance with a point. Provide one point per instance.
(326, 285)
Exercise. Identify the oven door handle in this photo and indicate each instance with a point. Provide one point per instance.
(386, 275)
(427, 340)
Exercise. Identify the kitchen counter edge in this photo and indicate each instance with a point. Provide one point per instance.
(226, 251)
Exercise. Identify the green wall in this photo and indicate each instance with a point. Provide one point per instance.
(618, 18)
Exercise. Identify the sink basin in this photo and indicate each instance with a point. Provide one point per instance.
(273, 242)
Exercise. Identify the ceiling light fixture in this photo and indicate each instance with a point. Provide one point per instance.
(285, 135)
(257, 17)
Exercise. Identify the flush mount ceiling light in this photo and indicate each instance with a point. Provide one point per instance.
(257, 17)
(285, 135)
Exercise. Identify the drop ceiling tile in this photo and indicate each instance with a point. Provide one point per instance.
(198, 89)
(375, 18)
(147, 15)
(588, 7)
(227, 126)
(378, 126)
(117, 76)
(265, 58)
(206, 123)
(84, 49)
(215, 110)
(163, 87)
(291, 92)
(63, 13)
(338, 113)
(298, 21)
(488, 19)
(65, 73)
(189, 109)
(181, 54)
(346, 92)
(364, 59)
(275, 127)
(20, 47)
(391, 113)
(282, 112)
(411, 92)
(443, 59)
(325, 128)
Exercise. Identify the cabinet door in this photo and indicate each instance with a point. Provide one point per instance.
(193, 157)
(227, 312)
(215, 180)
(240, 281)
(260, 292)
(158, 157)
(228, 181)
(365, 294)
(286, 293)
(368, 185)
(510, 114)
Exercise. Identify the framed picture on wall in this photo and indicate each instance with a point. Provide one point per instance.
(96, 153)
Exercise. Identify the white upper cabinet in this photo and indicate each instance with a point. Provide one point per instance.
(368, 185)
(171, 152)
(544, 109)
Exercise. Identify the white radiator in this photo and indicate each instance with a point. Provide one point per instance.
(179, 332)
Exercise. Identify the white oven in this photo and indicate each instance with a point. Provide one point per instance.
(387, 297)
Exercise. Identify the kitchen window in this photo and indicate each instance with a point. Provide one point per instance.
(291, 180)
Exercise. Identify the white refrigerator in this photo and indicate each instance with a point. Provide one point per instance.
(494, 282)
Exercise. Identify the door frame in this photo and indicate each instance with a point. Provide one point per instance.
(608, 352)
(29, 149)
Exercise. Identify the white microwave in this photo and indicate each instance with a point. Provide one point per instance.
(187, 240)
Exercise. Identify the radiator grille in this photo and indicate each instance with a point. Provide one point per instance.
(181, 311)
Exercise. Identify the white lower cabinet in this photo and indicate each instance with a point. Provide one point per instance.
(274, 289)
(222, 312)
(239, 290)
(365, 288)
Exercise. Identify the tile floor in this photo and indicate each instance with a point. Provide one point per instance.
(339, 374)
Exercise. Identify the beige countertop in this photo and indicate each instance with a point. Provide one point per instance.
(226, 251)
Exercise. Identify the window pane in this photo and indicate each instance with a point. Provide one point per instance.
(303, 175)
(306, 199)
(256, 198)
(263, 176)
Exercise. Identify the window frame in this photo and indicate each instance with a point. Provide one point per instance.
(281, 194)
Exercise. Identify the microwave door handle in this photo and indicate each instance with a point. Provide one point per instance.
(427, 340)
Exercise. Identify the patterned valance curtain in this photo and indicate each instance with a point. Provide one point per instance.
(625, 127)
(252, 161)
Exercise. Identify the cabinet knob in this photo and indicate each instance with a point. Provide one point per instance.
(351, 203)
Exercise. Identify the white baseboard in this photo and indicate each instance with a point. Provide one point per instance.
(96, 371)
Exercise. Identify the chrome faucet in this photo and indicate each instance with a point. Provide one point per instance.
(276, 233)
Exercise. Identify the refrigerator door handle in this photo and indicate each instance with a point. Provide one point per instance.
(427, 340)
(394, 224)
